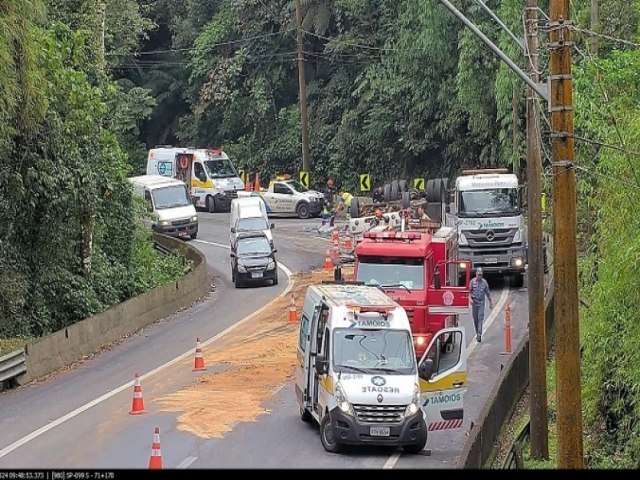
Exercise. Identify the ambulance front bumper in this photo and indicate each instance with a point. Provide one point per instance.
(349, 431)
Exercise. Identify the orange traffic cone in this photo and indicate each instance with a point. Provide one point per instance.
(348, 245)
(328, 264)
(247, 183)
(137, 406)
(199, 363)
(293, 313)
(155, 460)
(257, 183)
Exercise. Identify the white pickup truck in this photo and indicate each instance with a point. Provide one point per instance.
(289, 197)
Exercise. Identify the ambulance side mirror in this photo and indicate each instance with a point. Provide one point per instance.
(427, 369)
(322, 365)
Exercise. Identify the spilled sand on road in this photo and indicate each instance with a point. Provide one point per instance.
(250, 363)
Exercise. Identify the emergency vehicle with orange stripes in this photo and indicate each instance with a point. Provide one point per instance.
(420, 270)
(358, 377)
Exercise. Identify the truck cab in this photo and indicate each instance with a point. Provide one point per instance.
(285, 196)
(420, 271)
(487, 211)
(209, 173)
(358, 377)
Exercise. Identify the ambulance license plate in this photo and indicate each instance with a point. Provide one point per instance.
(379, 431)
(256, 274)
(491, 260)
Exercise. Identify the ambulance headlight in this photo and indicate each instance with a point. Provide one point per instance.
(194, 218)
(165, 223)
(414, 406)
(271, 266)
(241, 268)
(341, 400)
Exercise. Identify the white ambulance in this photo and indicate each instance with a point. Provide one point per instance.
(211, 177)
(356, 372)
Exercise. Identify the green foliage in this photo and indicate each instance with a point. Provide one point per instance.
(63, 184)
(610, 188)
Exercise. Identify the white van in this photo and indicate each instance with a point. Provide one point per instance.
(212, 179)
(357, 375)
(169, 200)
(249, 214)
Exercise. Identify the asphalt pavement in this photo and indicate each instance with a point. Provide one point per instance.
(79, 418)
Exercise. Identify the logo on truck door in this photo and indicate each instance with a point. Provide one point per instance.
(447, 298)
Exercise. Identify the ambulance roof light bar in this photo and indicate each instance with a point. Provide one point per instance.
(381, 309)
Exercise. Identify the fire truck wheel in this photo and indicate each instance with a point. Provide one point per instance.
(305, 415)
(406, 200)
(328, 439)
(387, 193)
(419, 445)
(395, 190)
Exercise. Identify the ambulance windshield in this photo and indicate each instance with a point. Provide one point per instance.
(373, 351)
(404, 273)
(220, 168)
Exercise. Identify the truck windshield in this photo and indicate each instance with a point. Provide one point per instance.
(407, 273)
(373, 351)
(495, 202)
(297, 186)
(252, 224)
(254, 246)
(220, 168)
(170, 197)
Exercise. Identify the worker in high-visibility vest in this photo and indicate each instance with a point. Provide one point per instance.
(345, 203)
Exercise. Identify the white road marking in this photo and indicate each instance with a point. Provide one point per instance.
(393, 459)
(186, 462)
(59, 421)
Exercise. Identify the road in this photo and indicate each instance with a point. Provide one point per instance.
(79, 418)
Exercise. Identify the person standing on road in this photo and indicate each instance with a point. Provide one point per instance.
(478, 290)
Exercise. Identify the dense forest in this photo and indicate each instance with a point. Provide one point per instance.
(393, 87)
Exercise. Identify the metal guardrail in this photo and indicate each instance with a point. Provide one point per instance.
(12, 365)
(161, 248)
(514, 461)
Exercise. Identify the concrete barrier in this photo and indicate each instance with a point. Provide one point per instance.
(89, 336)
(503, 399)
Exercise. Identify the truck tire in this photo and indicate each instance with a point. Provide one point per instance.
(445, 191)
(420, 443)
(211, 204)
(327, 438)
(406, 200)
(395, 190)
(387, 192)
(355, 208)
(404, 186)
(303, 210)
(434, 190)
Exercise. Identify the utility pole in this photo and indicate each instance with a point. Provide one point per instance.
(568, 394)
(535, 271)
(306, 166)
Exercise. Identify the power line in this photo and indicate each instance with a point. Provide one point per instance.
(213, 45)
(606, 37)
(351, 44)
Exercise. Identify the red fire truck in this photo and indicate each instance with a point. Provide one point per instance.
(420, 271)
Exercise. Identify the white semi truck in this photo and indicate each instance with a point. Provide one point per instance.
(485, 206)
